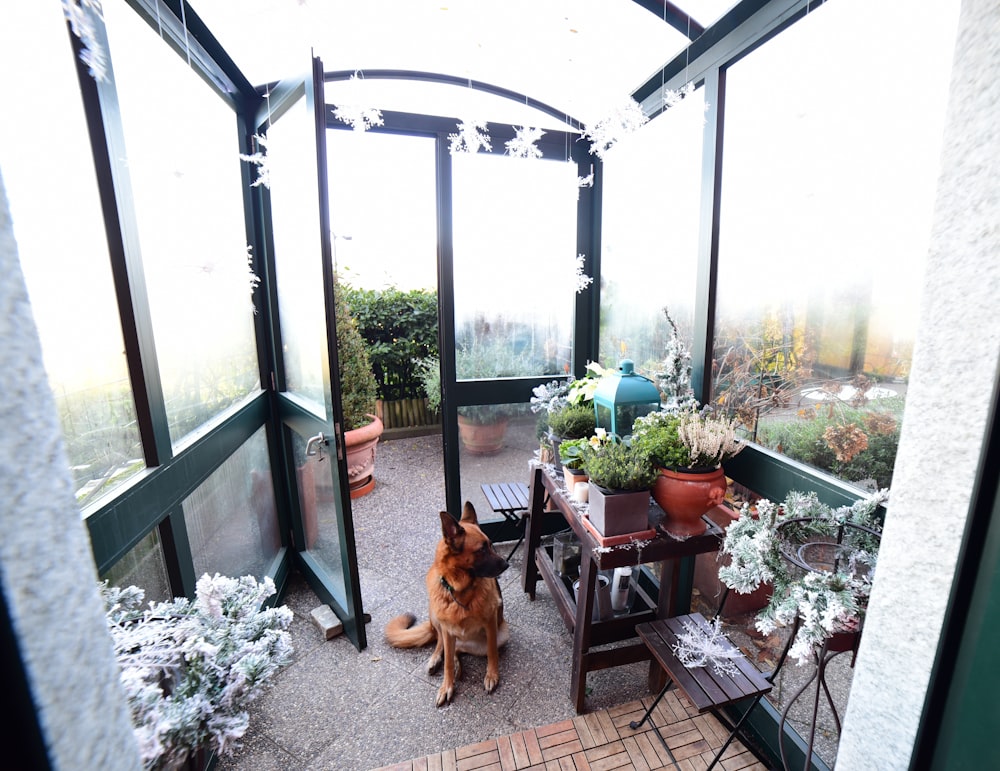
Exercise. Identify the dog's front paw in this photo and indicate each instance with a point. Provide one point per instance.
(491, 681)
(445, 694)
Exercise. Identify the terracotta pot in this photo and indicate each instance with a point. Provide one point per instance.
(685, 495)
(573, 477)
(618, 512)
(361, 444)
(482, 439)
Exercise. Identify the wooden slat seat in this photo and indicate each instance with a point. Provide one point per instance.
(706, 689)
(511, 500)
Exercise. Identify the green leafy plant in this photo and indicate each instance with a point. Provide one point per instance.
(358, 388)
(617, 463)
(572, 451)
(429, 372)
(190, 669)
(688, 439)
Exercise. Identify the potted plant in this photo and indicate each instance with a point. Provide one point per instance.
(820, 560)
(571, 455)
(566, 408)
(358, 393)
(190, 669)
(620, 476)
(688, 449)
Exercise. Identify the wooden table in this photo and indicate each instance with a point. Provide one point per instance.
(677, 558)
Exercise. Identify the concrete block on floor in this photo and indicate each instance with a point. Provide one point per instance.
(327, 621)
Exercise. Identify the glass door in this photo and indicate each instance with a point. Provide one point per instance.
(306, 376)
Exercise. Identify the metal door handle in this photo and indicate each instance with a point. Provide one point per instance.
(316, 445)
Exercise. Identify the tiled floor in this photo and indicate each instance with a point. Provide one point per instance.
(600, 740)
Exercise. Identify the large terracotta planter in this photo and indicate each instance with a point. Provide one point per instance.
(482, 438)
(618, 512)
(361, 447)
(685, 496)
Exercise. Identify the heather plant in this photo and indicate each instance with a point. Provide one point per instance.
(190, 668)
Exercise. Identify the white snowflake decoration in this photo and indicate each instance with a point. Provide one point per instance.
(523, 143)
(623, 120)
(80, 22)
(582, 279)
(698, 647)
(252, 277)
(472, 135)
(673, 97)
(260, 159)
(356, 115)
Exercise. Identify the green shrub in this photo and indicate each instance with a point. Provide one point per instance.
(400, 329)
(574, 421)
(661, 442)
(619, 465)
(358, 389)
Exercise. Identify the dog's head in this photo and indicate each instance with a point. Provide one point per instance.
(468, 546)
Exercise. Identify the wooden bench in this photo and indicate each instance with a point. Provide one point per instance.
(511, 500)
(706, 689)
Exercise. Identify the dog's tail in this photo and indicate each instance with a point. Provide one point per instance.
(401, 633)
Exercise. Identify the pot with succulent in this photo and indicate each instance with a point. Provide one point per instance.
(358, 394)
(620, 476)
(688, 449)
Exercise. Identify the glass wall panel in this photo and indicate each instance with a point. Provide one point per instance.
(63, 252)
(649, 236)
(383, 209)
(291, 145)
(827, 193)
(319, 514)
(231, 518)
(514, 263)
(184, 167)
(144, 567)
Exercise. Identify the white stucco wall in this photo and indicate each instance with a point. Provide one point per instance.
(948, 400)
(48, 575)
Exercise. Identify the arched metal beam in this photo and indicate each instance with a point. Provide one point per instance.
(453, 80)
(674, 16)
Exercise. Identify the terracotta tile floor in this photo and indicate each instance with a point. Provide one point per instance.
(601, 740)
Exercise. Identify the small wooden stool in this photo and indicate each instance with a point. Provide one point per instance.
(705, 688)
(511, 500)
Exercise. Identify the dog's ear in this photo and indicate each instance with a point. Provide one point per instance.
(453, 532)
(469, 514)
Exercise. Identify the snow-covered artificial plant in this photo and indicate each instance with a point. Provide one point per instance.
(189, 669)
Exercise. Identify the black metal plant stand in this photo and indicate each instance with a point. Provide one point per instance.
(819, 556)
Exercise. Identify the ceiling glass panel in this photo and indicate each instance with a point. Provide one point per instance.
(579, 56)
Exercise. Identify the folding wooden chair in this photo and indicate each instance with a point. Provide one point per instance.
(511, 500)
(705, 688)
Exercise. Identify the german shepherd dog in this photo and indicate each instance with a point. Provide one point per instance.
(466, 608)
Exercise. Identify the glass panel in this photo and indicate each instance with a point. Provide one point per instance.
(318, 504)
(828, 189)
(184, 167)
(291, 146)
(144, 567)
(393, 243)
(49, 179)
(515, 252)
(649, 236)
(495, 444)
(231, 517)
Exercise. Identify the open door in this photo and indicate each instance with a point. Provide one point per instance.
(306, 379)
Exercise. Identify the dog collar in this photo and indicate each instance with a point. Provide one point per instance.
(451, 590)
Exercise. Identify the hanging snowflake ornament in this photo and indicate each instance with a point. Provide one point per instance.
(259, 158)
(699, 647)
(623, 120)
(582, 279)
(523, 143)
(252, 277)
(356, 114)
(78, 12)
(472, 135)
(671, 97)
